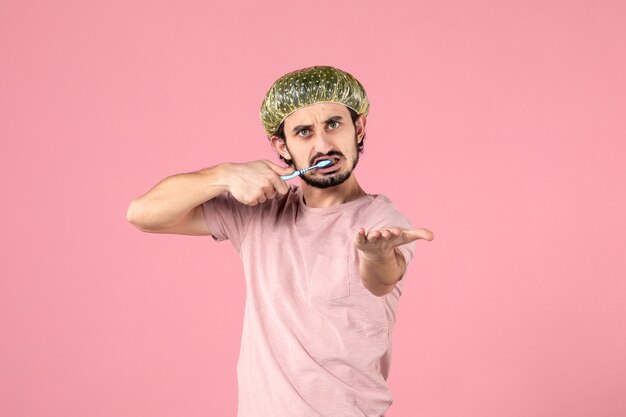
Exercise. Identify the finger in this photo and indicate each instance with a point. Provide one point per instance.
(385, 234)
(395, 231)
(269, 193)
(373, 236)
(390, 232)
(359, 239)
(279, 185)
(278, 169)
(250, 202)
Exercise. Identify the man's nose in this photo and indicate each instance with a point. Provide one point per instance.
(322, 143)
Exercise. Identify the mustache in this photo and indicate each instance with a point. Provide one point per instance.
(320, 156)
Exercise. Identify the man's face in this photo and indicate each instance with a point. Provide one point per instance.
(323, 131)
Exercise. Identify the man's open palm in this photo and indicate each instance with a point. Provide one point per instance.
(383, 241)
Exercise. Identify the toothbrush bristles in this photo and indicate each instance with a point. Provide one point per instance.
(324, 163)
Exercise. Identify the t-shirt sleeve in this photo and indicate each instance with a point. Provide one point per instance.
(227, 218)
(387, 216)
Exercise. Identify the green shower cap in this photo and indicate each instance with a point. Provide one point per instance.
(303, 87)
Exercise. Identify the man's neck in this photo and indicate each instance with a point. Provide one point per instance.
(343, 193)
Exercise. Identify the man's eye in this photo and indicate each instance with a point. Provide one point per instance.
(333, 123)
(303, 130)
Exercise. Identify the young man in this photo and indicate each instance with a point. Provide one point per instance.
(323, 261)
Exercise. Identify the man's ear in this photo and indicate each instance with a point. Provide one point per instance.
(279, 145)
(360, 123)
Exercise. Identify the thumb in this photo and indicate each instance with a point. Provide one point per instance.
(278, 169)
(420, 233)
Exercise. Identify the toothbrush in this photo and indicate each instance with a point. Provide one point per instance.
(320, 164)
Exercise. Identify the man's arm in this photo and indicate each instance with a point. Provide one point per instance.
(174, 205)
(381, 264)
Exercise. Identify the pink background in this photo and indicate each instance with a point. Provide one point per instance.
(498, 125)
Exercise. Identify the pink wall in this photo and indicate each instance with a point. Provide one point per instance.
(498, 125)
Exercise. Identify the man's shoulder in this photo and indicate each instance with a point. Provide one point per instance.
(383, 209)
(382, 202)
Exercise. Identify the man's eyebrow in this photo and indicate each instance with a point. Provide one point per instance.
(330, 119)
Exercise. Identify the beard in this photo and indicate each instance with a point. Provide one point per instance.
(331, 179)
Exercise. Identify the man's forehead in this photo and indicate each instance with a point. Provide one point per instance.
(309, 114)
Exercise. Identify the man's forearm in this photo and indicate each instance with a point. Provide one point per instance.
(380, 273)
(168, 202)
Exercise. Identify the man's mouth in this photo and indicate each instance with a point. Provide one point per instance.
(330, 168)
(334, 159)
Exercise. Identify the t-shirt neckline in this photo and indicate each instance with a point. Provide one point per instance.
(332, 209)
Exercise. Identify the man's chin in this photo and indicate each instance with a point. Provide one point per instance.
(328, 180)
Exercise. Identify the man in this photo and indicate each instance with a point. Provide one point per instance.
(323, 261)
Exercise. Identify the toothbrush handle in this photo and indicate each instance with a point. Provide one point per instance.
(290, 176)
(297, 173)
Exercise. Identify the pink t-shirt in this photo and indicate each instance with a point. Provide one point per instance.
(315, 341)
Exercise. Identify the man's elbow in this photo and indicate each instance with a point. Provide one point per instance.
(136, 216)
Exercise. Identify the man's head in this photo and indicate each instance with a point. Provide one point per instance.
(313, 114)
(322, 131)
